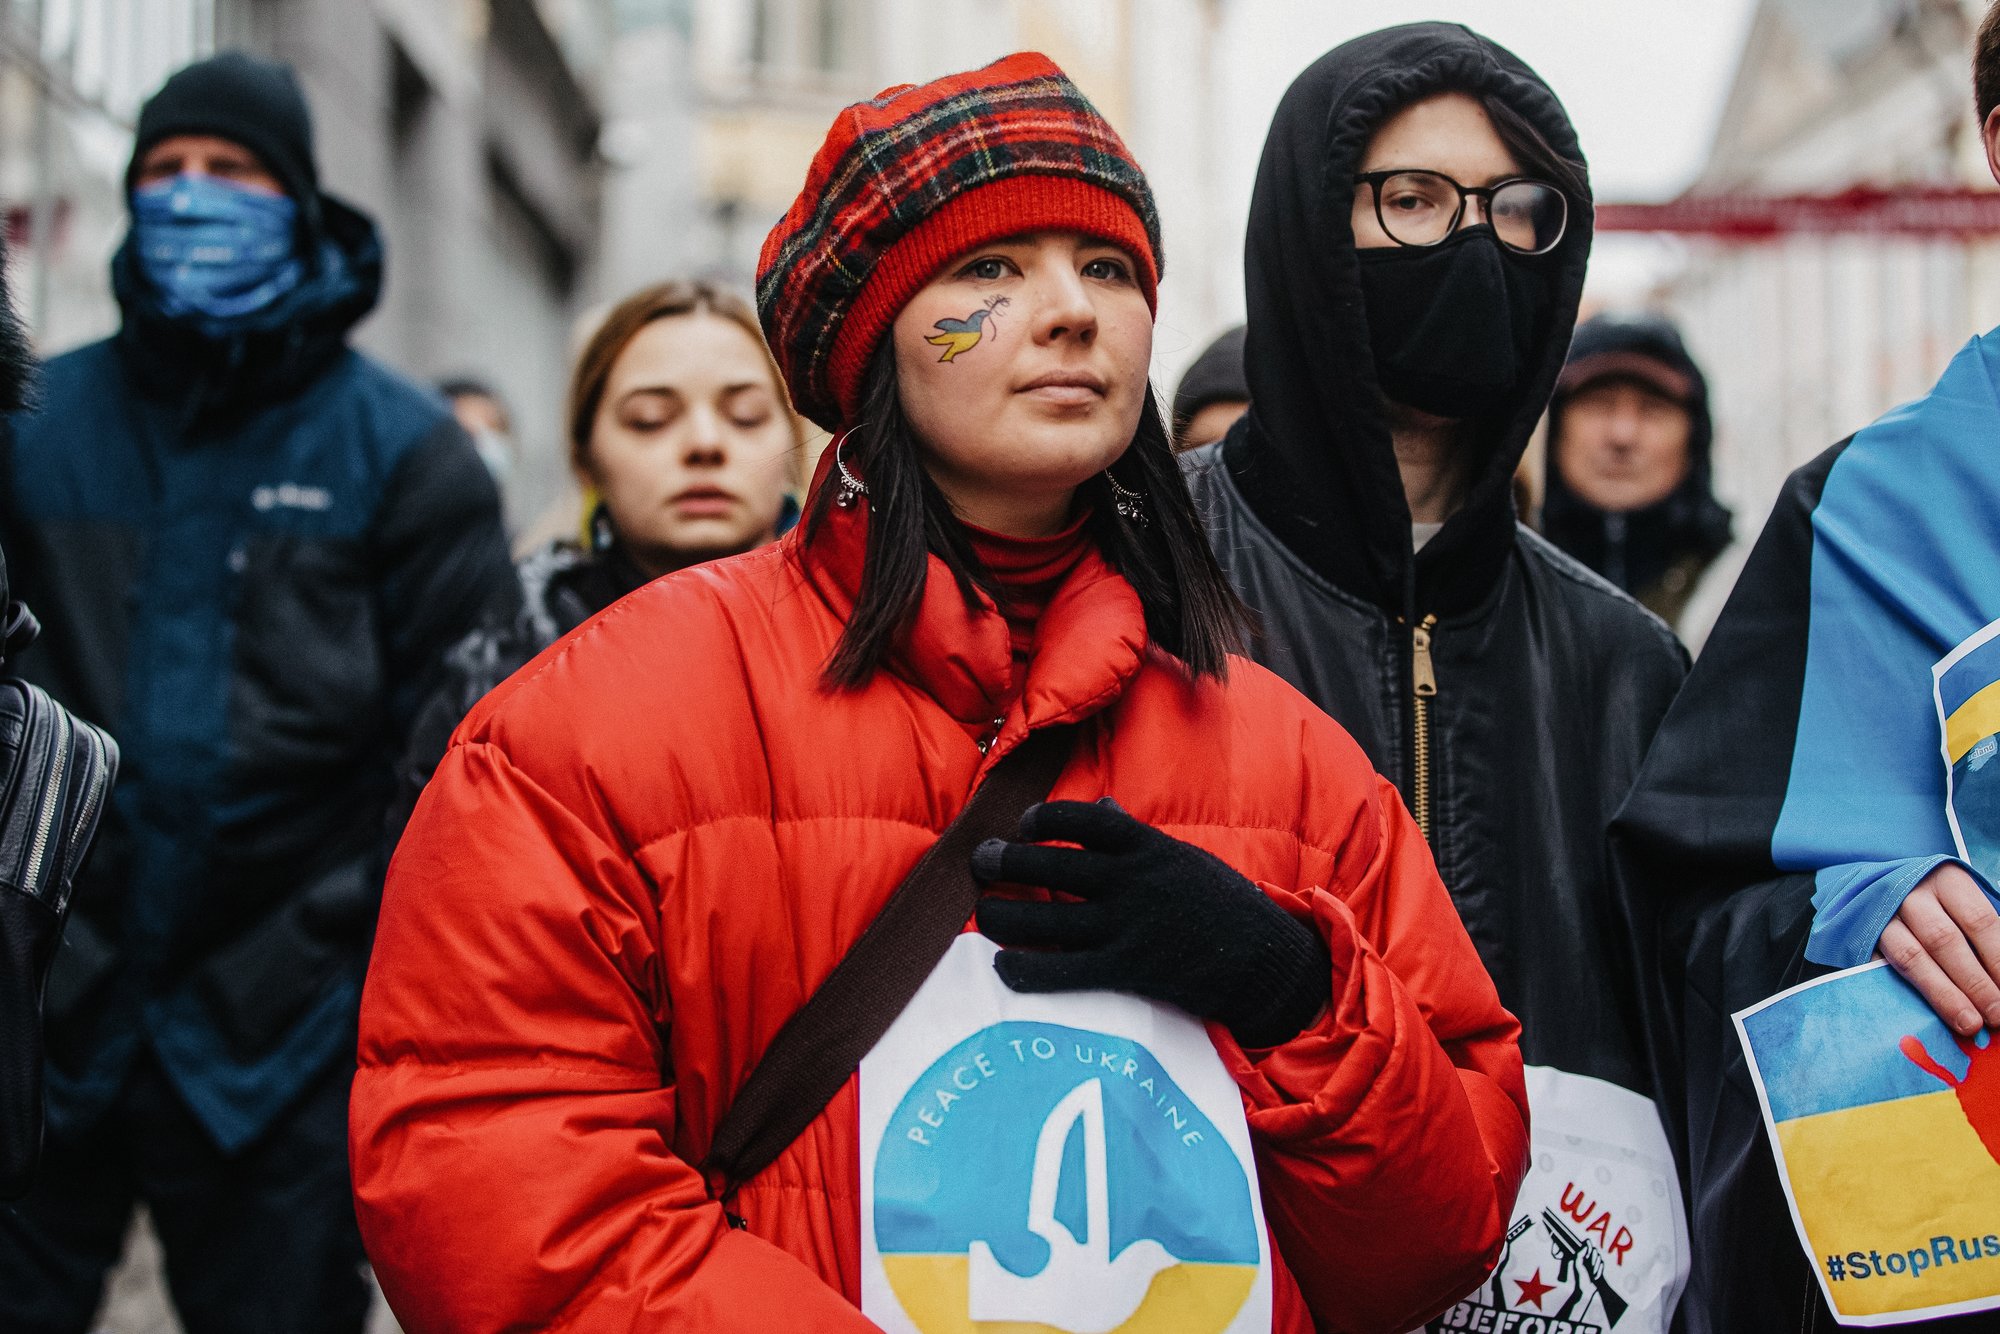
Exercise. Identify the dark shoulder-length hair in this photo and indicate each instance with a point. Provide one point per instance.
(1537, 156)
(1191, 611)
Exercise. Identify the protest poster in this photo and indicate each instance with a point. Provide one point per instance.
(1886, 1128)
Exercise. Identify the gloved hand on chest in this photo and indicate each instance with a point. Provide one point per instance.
(1158, 918)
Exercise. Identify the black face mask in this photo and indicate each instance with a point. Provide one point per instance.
(1453, 325)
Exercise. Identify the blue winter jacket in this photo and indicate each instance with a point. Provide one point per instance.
(248, 555)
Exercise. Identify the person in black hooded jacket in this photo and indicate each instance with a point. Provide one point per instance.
(249, 545)
(1630, 491)
(1415, 255)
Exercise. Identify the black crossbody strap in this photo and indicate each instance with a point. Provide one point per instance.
(823, 1043)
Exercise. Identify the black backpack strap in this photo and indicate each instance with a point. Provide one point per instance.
(822, 1044)
(56, 773)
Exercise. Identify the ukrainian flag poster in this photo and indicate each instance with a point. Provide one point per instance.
(1887, 1132)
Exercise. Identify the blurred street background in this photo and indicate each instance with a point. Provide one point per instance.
(530, 160)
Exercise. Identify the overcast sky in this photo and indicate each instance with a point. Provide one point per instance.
(1643, 79)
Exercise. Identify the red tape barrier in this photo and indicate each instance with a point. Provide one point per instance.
(1938, 212)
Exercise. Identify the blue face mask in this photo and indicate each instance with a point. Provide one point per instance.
(215, 252)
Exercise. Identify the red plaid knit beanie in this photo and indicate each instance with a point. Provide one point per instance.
(917, 176)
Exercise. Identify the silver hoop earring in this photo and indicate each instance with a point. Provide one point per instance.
(1130, 504)
(852, 488)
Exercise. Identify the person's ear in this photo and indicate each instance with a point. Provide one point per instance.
(1990, 132)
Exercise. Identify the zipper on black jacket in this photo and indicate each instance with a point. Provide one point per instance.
(51, 803)
(1423, 688)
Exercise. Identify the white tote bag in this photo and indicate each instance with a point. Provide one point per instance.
(1598, 1243)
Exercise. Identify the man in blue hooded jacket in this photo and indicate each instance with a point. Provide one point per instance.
(249, 545)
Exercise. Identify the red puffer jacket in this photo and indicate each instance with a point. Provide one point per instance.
(646, 849)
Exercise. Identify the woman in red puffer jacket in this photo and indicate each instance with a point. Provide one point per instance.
(1219, 1055)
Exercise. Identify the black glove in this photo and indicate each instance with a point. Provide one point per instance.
(1160, 918)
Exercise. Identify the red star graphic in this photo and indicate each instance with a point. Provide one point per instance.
(1532, 1290)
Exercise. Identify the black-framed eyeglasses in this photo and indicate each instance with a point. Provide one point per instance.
(1420, 208)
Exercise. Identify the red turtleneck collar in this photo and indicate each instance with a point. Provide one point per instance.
(1029, 570)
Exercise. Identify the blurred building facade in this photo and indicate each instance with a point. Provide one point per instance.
(699, 177)
(467, 128)
(72, 77)
(531, 160)
(1811, 337)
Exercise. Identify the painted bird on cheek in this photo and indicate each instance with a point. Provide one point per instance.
(956, 336)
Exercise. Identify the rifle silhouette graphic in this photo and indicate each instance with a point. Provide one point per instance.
(1580, 1259)
(1514, 1233)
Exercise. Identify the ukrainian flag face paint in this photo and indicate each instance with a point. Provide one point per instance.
(957, 336)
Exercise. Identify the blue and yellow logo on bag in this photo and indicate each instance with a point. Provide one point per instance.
(1889, 1131)
(1045, 1178)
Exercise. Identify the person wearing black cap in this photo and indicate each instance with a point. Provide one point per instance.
(1629, 485)
(1414, 257)
(249, 545)
(1212, 393)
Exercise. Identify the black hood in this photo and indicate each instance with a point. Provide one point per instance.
(1313, 457)
(272, 354)
(1215, 377)
(1634, 549)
